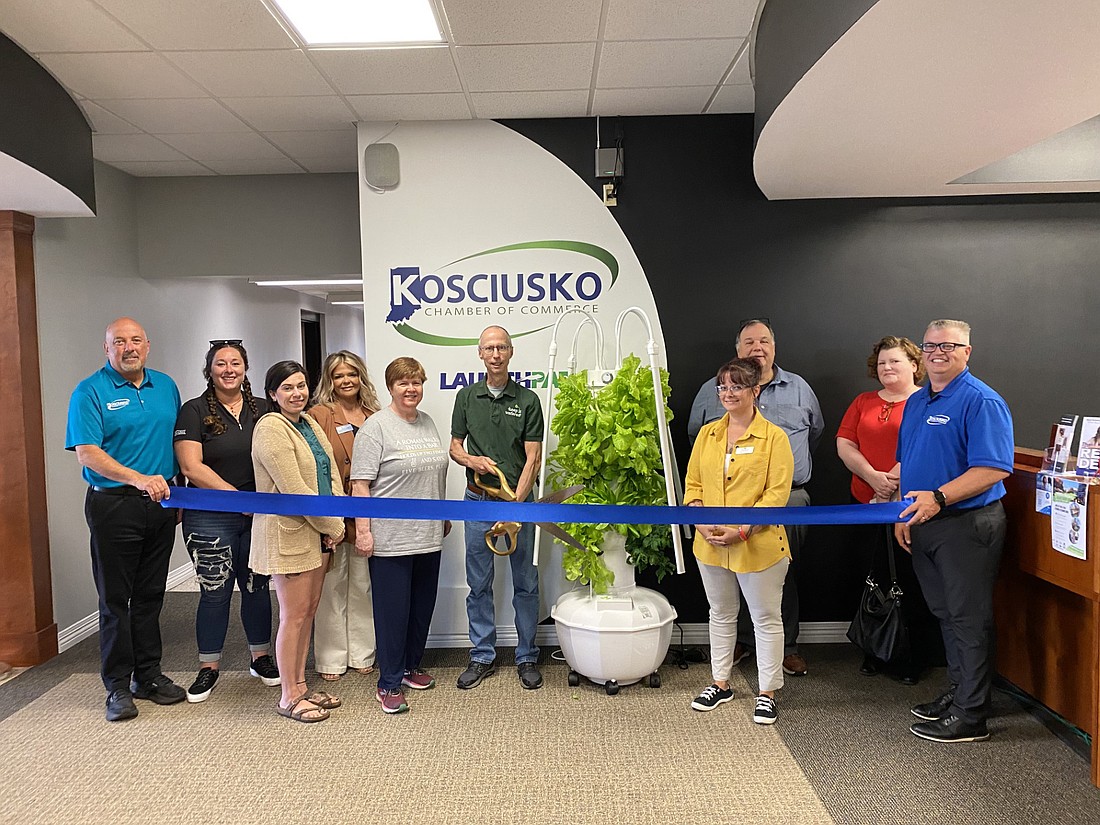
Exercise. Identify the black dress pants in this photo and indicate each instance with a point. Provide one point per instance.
(956, 558)
(131, 541)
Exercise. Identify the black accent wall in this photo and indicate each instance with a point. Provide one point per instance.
(835, 276)
(49, 133)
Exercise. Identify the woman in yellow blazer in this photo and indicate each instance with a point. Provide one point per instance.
(291, 455)
(343, 631)
(742, 460)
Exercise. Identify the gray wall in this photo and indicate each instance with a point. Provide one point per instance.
(88, 273)
(272, 225)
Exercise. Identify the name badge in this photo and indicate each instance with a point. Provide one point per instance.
(743, 450)
(344, 428)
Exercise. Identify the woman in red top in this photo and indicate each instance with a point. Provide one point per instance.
(867, 444)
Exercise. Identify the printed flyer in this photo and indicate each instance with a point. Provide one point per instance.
(1068, 512)
(1088, 453)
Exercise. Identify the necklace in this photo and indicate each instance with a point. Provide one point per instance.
(234, 407)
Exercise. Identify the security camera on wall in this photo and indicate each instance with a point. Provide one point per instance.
(381, 166)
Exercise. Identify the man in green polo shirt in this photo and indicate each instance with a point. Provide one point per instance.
(498, 424)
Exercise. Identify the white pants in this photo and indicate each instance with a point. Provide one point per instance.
(343, 632)
(764, 595)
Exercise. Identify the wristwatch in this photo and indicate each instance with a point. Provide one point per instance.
(940, 498)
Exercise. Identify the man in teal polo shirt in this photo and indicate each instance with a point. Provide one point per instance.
(120, 426)
(498, 424)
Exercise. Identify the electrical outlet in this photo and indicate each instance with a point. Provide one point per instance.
(609, 198)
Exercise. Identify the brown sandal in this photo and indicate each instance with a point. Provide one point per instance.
(325, 700)
(316, 713)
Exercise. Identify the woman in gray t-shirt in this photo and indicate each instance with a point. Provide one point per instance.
(398, 453)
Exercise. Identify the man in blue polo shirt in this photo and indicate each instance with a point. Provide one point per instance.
(955, 446)
(120, 425)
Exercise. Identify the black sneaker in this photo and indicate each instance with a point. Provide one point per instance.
(765, 712)
(263, 668)
(120, 705)
(203, 684)
(950, 729)
(473, 674)
(936, 709)
(529, 675)
(161, 690)
(711, 698)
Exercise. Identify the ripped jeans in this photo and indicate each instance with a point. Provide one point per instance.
(219, 544)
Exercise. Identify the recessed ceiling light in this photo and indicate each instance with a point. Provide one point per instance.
(361, 22)
(314, 282)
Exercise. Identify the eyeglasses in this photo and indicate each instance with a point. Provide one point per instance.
(734, 388)
(884, 413)
(227, 342)
(943, 346)
(495, 348)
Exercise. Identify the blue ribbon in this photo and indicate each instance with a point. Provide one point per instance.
(227, 501)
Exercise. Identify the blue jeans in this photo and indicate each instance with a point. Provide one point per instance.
(479, 604)
(404, 600)
(219, 544)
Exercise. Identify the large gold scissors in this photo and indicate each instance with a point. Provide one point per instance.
(510, 529)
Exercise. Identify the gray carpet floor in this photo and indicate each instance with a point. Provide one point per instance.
(841, 751)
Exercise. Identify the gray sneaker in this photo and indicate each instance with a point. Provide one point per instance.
(473, 674)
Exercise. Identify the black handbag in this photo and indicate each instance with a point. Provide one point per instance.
(879, 629)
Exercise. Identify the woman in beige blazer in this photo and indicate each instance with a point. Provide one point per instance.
(343, 631)
(291, 455)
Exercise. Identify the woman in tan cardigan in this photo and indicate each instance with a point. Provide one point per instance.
(343, 631)
(291, 455)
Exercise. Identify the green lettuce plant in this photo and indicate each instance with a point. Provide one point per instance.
(608, 441)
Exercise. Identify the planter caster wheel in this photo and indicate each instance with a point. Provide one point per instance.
(655, 680)
(612, 687)
(574, 678)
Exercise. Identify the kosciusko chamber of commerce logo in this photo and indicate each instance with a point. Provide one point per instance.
(532, 283)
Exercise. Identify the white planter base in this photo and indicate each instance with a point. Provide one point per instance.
(614, 639)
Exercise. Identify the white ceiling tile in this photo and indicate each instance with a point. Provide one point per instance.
(654, 63)
(734, 98)
(665, 101)
(126, 74)
(177, 115)
(527, 68)
(104, 122)
(161, 168)
(253, 73)
(494, 105)
(38, 27)
(480, 22)
(660, 19)
(316, 144)
(111, 148)
(201, 24)
(228, 146)
(388, 71)
(292, 114)
(266, 166)
(323, 165)
(411, 107)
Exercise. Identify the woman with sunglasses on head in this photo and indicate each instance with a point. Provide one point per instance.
(867, 442)
(213, 444)
(742, 460)
(343, 632)
(291, 455)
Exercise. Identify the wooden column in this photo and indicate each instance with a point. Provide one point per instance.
(28, 634)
